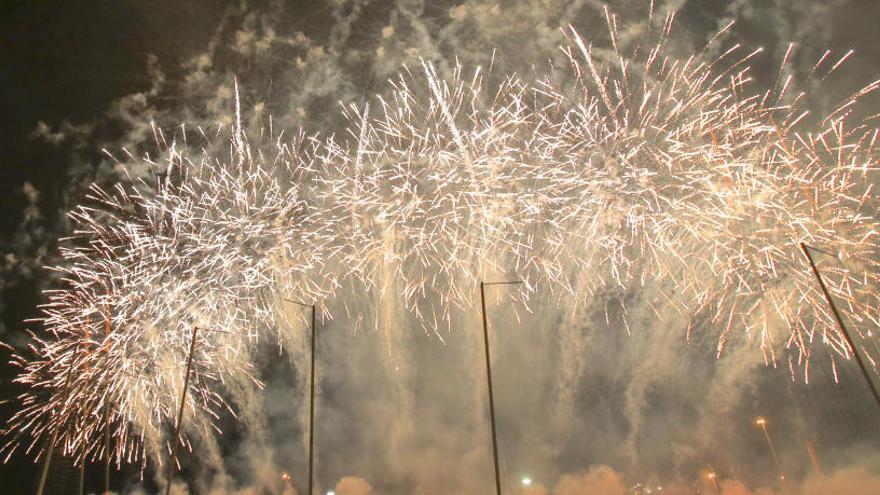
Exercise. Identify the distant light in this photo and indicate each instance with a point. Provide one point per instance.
(331, 492)
(760, 421)
(526, 481)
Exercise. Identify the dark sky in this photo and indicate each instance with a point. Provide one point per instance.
(69, 63)
(65, 60)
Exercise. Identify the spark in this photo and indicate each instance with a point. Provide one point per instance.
(639, 171)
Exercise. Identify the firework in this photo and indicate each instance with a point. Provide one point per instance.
(624, 171)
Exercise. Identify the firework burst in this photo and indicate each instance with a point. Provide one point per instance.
(624, 171)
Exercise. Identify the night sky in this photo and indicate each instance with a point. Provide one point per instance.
(77, 77)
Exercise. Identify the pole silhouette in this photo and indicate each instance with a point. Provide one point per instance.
(311, 397)
(107, 448)
(170, 470)
(489, 378)
(47, 461)
(763, 424)
(840, 324)
(312, 409)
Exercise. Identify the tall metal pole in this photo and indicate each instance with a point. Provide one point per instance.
(169, 471)
(107, 331)
(841, 325)
(312, 409)
(311, 397)
(712, 475)
(763, 424)
(489, 379)
(491, 394)
(47, 461)
(107, 448)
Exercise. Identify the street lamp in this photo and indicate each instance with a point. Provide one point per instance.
(711, 475)
(843, 330)
(170, 471)
(489, 377)
(311, 398)
(189, 359)
(760, 421)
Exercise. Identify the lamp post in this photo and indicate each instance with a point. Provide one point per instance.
(712, 477)
(311, 397)
(47, 460)
(489, 377)
(839, 320)
(763, 424)
(169, 471)
(106, 449)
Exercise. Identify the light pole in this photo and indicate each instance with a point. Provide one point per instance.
(712, 477)
(169, 471)
(489, 377)
(763, 424)
(840, 324)
(47, 460)
(311, 398)
(106, 448)
(107, 330)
